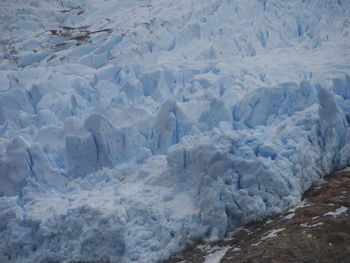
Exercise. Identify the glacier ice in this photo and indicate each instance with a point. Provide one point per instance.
(132, 129)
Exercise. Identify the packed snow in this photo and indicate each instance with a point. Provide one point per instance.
(130, 129)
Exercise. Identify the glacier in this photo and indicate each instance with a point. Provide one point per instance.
(132, 129)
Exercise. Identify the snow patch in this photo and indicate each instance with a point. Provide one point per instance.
(216, 256)
(339, 211)
(272, 234)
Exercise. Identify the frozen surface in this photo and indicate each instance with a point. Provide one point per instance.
(337, 212)
(272, 233)
(216, 256)
(130, 129)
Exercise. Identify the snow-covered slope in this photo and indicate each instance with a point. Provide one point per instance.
(130, 129)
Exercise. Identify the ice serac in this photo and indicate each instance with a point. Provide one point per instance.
(170, 125)
(81, 149)
(22, 163)
(333, 130)
(266, 105)
(216, 113)
(95, 144)
(130, 130)
(12, 102)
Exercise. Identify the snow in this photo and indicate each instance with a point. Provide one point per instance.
(132, 129)
(339, 211)
(314, 225)
(216, 256)
(289, 216)
(301, 204)
(272, 233)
